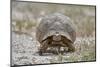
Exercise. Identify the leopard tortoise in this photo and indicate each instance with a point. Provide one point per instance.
(56, 30)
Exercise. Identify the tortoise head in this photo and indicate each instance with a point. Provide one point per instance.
(56, 36)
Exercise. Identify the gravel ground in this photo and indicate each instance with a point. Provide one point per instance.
(25, 51)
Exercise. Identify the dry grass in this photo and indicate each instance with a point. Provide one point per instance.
(27, 15)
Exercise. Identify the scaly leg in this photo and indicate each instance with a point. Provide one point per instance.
(43, 48)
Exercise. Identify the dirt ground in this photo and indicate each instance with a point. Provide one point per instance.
(25, 51)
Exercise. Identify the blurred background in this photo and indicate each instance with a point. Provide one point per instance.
(25, 17)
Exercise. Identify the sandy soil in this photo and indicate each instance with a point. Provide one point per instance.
(25, 51)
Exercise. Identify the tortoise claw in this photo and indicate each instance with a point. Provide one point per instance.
(40, 53)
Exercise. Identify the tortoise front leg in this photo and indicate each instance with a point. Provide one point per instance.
(43, 48)
(70, 46)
